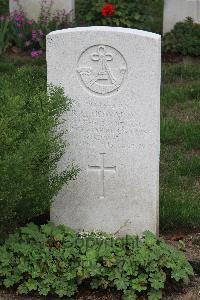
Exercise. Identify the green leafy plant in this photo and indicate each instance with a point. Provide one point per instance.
(31, 35)
(184, 39)
(4, 6)
(141, 14)
(4, 33)
(56, 260)
(30, 147)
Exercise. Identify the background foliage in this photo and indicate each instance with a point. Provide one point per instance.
(29, 146)
(180, 147)
(183, 39)
(4, 6)
(141, 14)
(26, 34)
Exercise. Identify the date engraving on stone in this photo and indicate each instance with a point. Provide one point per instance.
(102, 69)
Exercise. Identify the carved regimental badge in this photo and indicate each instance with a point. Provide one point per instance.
(102, 69)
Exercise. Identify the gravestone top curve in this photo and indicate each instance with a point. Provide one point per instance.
(107, 29)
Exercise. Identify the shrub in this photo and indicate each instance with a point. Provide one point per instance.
(56, 260)
(184, 39)
(141, 14)
(29, 146)
(30, 35)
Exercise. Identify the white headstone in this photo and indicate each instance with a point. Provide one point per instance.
(113, 77)
(178, 10)
(32, 8)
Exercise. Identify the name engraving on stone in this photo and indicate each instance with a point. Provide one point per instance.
(123, 128)
(102, 169)
(102, 69)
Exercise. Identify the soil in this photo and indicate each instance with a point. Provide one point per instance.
(189, 244)
(16, 54)
(190, 292)
(82, 295)
(175, 58)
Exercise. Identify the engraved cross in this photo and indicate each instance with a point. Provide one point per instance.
(102, 170)
(104, 72)
(102, 54)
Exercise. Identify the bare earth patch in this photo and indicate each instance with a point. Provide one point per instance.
(190, 292)
(83, 295)
(190, 244)
(183, 114)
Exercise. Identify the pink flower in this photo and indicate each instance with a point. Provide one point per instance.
(2, 18)
(19, 16)
(37, 35)
(34, 34)
(36, 53)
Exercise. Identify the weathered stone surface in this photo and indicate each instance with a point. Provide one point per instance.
(113, 77)
(177, 10)
(32, 8)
